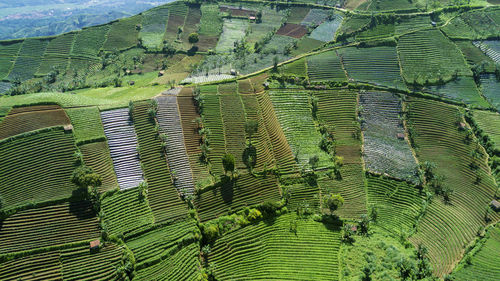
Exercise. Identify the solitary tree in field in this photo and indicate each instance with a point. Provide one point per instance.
(333, 202)
(228, 163)
(251, 128)
(314, 162)
(193, 38)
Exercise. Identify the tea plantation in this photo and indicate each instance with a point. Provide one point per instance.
(255, 140)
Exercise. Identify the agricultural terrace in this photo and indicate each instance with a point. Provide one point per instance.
(67, 264)
(96, 156)
(325, 32)
(25, 119)
(210, 23)
(484, 261)
(123, 34)
(154, 24)
(377, 65)
(235, 194)
(462, 89)
(259, 140)
(315, 17)
(337, 110)
(233, 116)
(326, 66)
(233, 31)
(411, 24)
(293, 110)
(310, 252)
(136, 217)
(56, 54)
(163, 197)
(491, 48)
(383, 5)
(271, 21)
(397, 203)
(48, 226)
(44, 162)
(490, 88)
(88, 42)
(169, 120)
(427, 56)
(385, 149)
(192, 139)
(87, 125)
(28, 59)
(176, 18)
(212, 120)
(169, 252)
(446, 228)
(8, 54)
(191, 23)
(285, 160)
(489, 122)
(122, 142)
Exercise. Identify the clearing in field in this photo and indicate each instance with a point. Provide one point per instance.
(233, 31)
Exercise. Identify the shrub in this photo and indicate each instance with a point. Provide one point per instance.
(334, 201)
(228, 163)
(254, 215)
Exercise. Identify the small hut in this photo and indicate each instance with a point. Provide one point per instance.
(68, 128)
(495, 205)
(401, 136)
(161, 73)
(131, 83)
(433, 23)
(233, 72)
(94, 245)
(462, 126)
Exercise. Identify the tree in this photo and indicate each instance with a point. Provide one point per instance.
(251, 128)
(406, 269)
(228, 163)
(193, 38)
(313, 162)
(84, 176)
(334, 201)
(364, 224)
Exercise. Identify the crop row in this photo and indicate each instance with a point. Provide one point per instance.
(69, 264)
(37, 167)
(445, 229)
(126, 213)
(462, 89)
(308, 253)
(210, 23)
(86, 123)
(163, 197)
(281, 149)
(48, 226)
(233, 117)
(293, 110)
(170, 122)
(490, 87)
(386, 149)
(154, 23)
(96, 156)
(123, 34)
(397, 204)
(89, 41)
(325, 67)
(212, 119)
(427, 56)
(56, 54)
(161, 243)
(192, 139)
(29, 59)
(8, 53)
(260, 140)
(326, 31)
(122, 142)
(378, 65)
(337, 110)
(490, 48)
(21, 120)
(176, 18)
(246, 190)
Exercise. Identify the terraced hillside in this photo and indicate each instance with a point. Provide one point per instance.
(365, 140)
(446, 229)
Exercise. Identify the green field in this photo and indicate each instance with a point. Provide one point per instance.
(42, 170)
(86, 123)
(428, 56)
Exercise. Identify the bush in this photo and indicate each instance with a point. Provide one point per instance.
(269, 208)
(333, 201)
(254, 215)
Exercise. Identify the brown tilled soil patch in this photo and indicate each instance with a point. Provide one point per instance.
(292, 30)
